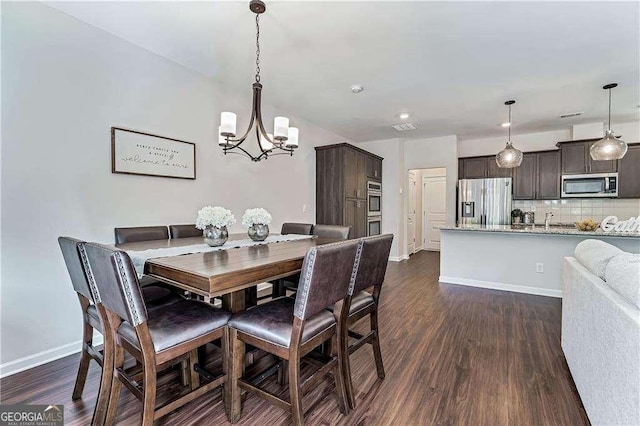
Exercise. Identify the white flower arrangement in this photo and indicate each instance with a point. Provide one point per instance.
(214, 216)
(255, 216)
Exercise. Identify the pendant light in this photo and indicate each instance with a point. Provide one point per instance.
(608, 148)
(509, 157)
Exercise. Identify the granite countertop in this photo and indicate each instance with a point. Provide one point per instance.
(539, 229)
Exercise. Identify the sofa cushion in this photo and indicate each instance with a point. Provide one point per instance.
(623, 275)
(595, 254)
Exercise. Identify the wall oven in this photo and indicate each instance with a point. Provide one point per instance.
(374, 225)
(374, 198)
(590, 185)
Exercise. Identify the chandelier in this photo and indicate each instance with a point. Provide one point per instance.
(284, 139)
(609, 147)
(509, 157)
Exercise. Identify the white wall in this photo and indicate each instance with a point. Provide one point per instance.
(541, 141)
(65, 83)
(510, 263)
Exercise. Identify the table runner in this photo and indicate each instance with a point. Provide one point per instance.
(140, 257)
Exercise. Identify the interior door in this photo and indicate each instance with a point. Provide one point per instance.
(434, 207)
(411, 214)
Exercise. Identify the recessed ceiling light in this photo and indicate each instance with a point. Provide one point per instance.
(356, 88)
(507, 124)
(404, 115)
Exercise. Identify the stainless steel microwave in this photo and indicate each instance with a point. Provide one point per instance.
(588, 186)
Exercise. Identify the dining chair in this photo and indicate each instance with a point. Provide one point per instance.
(291, 329)
(323, 231)
(154, 337)
(332, 231)
(296, 228)
(372, 267)
(76, 263)
(184, 231)
(140, 233)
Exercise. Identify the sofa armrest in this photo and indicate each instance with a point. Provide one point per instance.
(601, 342)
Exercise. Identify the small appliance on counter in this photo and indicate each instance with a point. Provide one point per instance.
(529, 218)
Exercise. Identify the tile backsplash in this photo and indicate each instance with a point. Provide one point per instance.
(574, 210)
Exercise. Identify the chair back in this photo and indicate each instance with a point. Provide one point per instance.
(296, 228)
(332, 231)
(326, 276)
(141, 233)
(76, 260)
(184, 231)
(117, 283)
(373, 262)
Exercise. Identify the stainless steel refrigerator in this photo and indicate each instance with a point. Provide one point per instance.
(484, 201)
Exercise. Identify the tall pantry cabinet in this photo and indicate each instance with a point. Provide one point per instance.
(342, 173)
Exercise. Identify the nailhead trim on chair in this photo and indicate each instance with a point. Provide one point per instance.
(93, 288)
(356, 265)
(308, 274)
(127, 289)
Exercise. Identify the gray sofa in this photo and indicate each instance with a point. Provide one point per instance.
(601, 331)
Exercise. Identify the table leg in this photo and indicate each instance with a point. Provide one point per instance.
(234, 302)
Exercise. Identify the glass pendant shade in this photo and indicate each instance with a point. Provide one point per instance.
(509, 157)
(608, 148)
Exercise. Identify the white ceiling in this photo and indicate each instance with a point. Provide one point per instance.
(451, 64)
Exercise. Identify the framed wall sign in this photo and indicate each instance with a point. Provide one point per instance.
(138, 153)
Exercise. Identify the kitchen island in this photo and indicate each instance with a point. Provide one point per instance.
(524, 259)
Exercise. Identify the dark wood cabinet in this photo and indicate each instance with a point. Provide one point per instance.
(524, 178)
(374, 168)
(548, 175)
(342, 172)
(475, 168)
(493, 171)
(576, 159)
(629, 173)
(481, 167)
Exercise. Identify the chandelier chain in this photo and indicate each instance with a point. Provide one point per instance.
(257, 48)
(510, 123)
(609, 109)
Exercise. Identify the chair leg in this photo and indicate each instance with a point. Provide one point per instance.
(194, 377)
(85, 359)
(235, 366)
(278, 289)
(346, 368)
(106, 381)
(283, 373)
(295, 392)
(376, 343)
(339, 373)
(149, 391)
(116, 386)
(184, 372)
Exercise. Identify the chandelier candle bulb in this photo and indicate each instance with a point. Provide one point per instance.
(292, 142)
(281, 128)
(228, 124)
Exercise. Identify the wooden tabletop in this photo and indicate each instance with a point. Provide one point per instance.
(221, 272)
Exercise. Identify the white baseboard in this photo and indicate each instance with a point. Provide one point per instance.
(502, 286)
(398, 258)
(31, 361)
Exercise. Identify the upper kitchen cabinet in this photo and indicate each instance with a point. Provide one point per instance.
(374, 168)
(480, 168)
(629, 173)
(576, 159)
(538, 177)
(355, 164)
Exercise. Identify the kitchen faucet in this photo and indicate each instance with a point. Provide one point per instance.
(547, 219)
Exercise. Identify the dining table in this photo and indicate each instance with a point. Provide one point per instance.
(224, 273)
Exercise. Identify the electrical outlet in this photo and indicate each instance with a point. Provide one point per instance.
(304, 208)
(540, 268)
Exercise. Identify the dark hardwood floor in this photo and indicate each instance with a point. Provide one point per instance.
(453, 355)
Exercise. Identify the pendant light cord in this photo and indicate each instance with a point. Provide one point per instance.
(509, 123)
(609, 109)
(257, 48)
